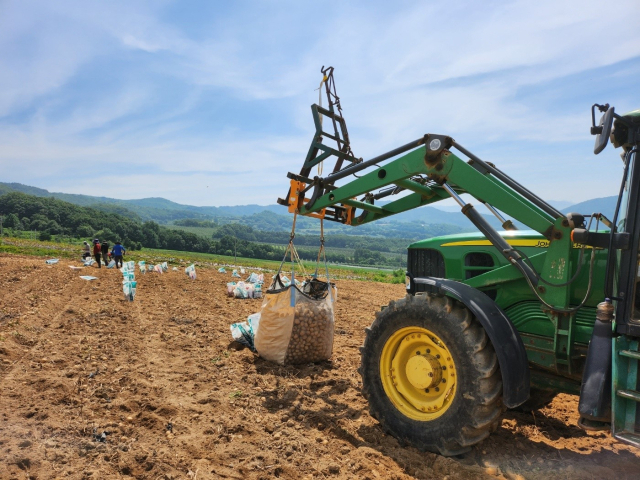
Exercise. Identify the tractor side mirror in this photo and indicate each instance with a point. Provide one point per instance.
(603, 130)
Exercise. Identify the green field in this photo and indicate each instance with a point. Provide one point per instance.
(202, 231)
(208, 232)
(73, 250)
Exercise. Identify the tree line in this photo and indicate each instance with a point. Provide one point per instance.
(49, 216)
(245, 232)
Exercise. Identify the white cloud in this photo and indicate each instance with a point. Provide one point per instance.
(458, 68)
(40, 52)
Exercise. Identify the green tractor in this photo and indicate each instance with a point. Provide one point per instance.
(492, 320)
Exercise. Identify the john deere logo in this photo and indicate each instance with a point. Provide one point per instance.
(434, 144)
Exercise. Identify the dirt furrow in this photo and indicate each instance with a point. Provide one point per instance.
(95, 386)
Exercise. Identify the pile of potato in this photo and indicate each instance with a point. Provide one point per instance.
(312, 334)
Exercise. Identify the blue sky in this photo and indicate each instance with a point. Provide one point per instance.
(207, 103)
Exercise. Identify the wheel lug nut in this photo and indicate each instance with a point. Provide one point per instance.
(437, 389)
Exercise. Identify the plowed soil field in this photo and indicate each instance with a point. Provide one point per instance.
(93, 386)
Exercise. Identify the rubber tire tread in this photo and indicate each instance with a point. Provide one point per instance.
(477, 407)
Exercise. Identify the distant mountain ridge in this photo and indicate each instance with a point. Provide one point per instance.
(604, 205)
(153, 208)
(162, 210)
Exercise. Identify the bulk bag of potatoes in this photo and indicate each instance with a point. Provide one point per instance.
(296, 322)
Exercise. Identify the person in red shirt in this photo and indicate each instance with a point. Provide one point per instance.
(97, 251)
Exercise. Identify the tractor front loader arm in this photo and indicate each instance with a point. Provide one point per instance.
(426, 171)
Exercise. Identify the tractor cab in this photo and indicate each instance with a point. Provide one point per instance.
(622, 276)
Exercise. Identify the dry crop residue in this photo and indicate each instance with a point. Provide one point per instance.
(97, 387)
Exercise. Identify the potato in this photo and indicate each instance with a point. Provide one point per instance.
(312, 334)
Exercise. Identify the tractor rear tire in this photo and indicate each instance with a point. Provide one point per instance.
(467, 406)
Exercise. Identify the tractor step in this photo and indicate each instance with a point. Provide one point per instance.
(629, 437)
(626, 384)
(629, 394)
(630, 354)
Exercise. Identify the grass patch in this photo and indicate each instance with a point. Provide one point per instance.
(18, 246)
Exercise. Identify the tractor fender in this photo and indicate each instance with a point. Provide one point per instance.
(506, 340)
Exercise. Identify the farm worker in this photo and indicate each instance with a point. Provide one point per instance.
(86, 251)
(97, 251)
(105, 252)
(118, 251)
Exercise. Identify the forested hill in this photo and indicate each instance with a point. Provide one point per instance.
(157, 209)
(51, 217)
(409, 224)
(251, 230)
(418, 223)
(605, 205)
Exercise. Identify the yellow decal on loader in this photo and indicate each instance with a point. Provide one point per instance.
(537, 243)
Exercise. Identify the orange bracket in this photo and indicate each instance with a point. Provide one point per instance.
(296, 202)
(350, 211)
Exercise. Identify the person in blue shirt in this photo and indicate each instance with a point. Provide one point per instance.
(118, 251)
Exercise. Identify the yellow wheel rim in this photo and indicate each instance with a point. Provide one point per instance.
(418, 373)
